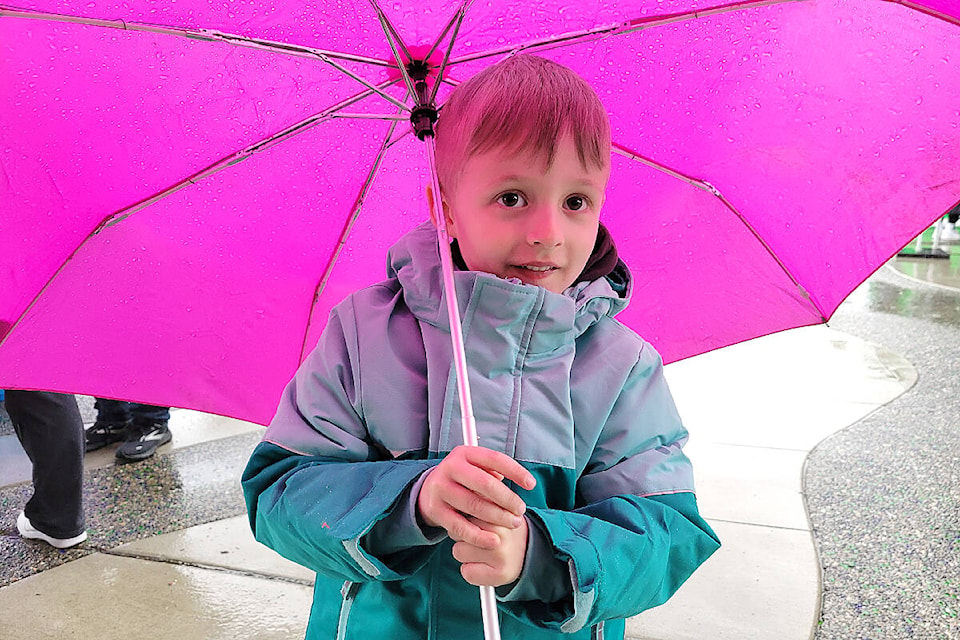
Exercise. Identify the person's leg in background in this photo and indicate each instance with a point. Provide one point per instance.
(112, 425)
(50, 429)
(148, 430)
(950, 233)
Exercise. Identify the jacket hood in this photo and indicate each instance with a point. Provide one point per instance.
(415, 261)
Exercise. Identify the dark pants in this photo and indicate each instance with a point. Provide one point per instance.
(119, 412)
(50, 429)
(954, 214)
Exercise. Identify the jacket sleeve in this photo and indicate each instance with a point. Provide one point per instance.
(635, 535)
(318, 483)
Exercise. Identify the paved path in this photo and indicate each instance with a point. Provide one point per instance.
(884, 495)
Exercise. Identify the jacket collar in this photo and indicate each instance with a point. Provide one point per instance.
(415, 261)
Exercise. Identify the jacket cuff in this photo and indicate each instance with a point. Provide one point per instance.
(544, 577)
(400, 529)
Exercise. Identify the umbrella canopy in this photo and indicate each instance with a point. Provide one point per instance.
(187, 188)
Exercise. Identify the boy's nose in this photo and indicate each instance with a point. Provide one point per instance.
(544, 227)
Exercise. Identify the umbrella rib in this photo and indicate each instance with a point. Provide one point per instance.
(394, 42)
(387, 25)
(458, 21)
(367, 84)
(572, 37)
(210, 35)
(633, 155)
(370, 116)
(927, 10)
(23, 314)
(345, 232)
(123, 214)
(400, 137)
(119, 216)
(706, 186)
(617, 29)
(235, 158)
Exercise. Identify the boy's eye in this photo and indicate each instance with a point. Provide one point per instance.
(576, 203)
(511, 199)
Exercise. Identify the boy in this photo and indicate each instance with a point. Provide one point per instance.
(578, 506)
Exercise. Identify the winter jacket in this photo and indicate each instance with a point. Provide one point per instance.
(557, 383)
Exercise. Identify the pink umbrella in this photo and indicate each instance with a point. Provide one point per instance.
(187, 188)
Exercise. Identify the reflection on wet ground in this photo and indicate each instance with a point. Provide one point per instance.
(884, 494)
(885, 293)
(945, 271)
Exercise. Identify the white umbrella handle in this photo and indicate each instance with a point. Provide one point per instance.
(488, 600)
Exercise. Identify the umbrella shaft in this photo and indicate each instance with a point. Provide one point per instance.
(488, 608)
(453, 311)
(488, 600)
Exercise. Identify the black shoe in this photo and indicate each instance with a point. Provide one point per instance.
(142, 441)
(103, 433)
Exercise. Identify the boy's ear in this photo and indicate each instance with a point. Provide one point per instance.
(446, 212)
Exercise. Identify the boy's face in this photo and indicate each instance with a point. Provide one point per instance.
(517, 218)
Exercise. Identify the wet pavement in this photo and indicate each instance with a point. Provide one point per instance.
(827, 458)
(884, 494)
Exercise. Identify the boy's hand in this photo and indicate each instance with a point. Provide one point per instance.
(468, 483)
(493, 567)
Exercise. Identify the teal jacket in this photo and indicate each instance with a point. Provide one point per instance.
(558, 384)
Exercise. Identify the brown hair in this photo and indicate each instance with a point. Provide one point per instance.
(522, 103)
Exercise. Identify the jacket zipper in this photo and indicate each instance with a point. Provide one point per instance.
(597, 632)
(349, 592)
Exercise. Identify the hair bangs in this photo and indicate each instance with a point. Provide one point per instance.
(524, 104)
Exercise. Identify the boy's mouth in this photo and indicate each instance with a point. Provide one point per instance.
(537, 268)
(534, 272)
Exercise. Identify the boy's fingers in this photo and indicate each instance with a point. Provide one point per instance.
(480, 574)
(468, 503)
(486, 489)
(500, 464)
(462, 530)
(464, 552)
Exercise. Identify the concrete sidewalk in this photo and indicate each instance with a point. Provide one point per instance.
(170, 555)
